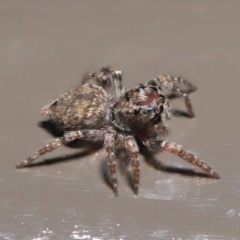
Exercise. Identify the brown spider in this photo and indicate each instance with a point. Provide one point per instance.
(105, 112)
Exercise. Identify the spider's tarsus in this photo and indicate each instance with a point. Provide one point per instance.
(192, 115)
(115, 191)
(214, 175)
(136, 190)
(21, 164)
(116, 194)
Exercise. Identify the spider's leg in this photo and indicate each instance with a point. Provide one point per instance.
(111, 159)
(132, 149)
(179, 80)
(117, 81)
(48, 148)
(102, 77)
(179, 151)
(168, 82)
(110, 78)
(67, 137)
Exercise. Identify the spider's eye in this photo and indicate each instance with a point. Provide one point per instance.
(161, 109)
(152, 82)
(137, 111)
(148, 111)
(105, 80)
(140, 86)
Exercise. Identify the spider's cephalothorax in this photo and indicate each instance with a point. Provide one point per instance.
(140, 108)
(104, 112)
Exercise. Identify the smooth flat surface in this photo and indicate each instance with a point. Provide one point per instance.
(45, 48)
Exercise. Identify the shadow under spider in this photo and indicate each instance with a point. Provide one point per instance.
(177, 112)
(69, 157)
(153, 162)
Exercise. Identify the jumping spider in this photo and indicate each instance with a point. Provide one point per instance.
(105, 112)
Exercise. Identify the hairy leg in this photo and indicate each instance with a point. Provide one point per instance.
(67, 137)
(111, 159)
(182, 81)
(132, 149)
(179, 151)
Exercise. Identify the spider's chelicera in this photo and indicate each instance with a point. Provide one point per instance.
(105, 112)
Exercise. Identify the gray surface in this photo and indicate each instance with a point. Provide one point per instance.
(46, 46)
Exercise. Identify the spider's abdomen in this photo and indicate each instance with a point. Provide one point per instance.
(83, 107)
(139, 108)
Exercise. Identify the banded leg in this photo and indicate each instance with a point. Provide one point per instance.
(111, 159)
(132, 149)
(117, 82)
(116, 77)
(156, 129)
(101, 77)
(67, 137)
(168, 82)
(182, 81)
(179, 151)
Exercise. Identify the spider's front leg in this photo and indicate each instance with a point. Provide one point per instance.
(168, 82)
(179, 151)
(132, 149)
(67, 137)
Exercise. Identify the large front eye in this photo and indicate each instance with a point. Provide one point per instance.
(140, 87)
(136, 111)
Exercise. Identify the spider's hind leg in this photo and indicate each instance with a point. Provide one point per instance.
(110, 78)
(67, 137)
(48, 148)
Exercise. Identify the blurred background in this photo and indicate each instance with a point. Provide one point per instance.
(47, 46)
